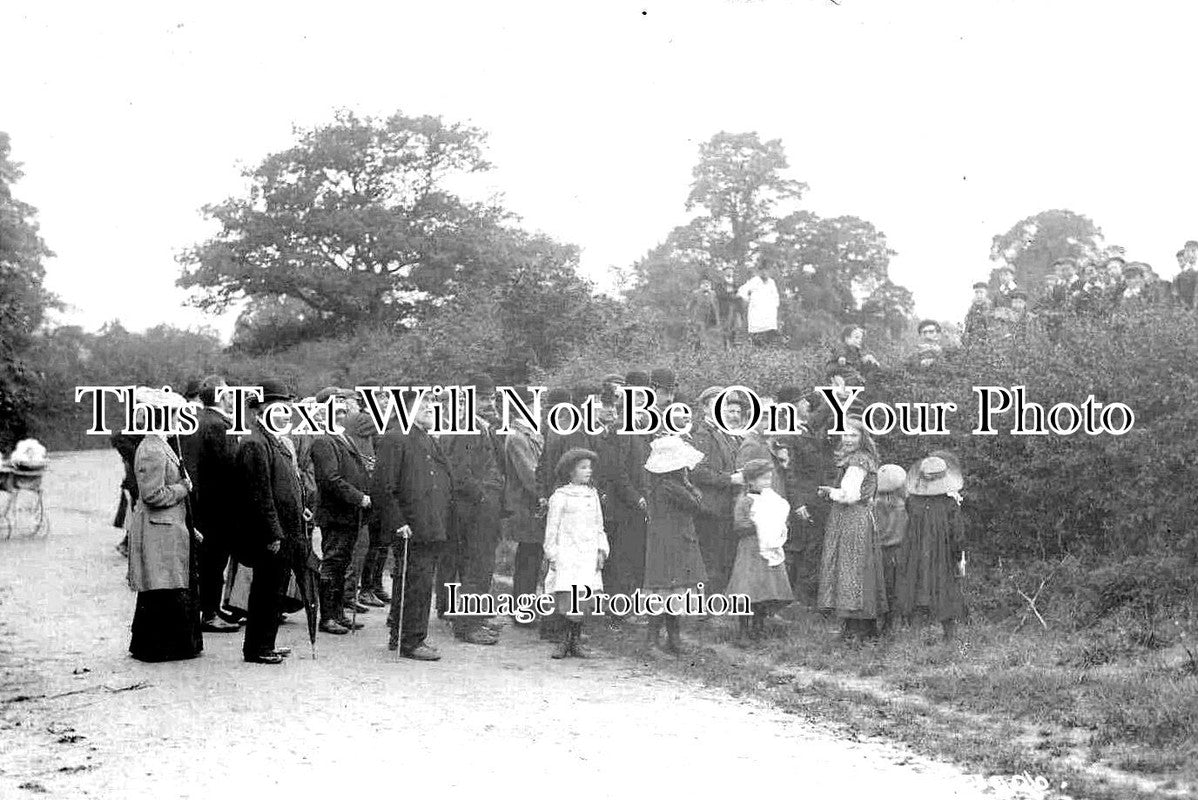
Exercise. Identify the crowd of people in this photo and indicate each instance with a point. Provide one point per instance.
(220, 528)
(1082, 286)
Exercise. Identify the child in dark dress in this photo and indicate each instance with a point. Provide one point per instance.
(932, 555)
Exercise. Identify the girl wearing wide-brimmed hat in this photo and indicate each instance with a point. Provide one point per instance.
(929, 575)
(890, 516)
(852, 584)
(673, 563)
(575, 543)
(759, 520)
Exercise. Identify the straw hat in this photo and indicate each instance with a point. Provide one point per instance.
(933, 475)
(671, 453)
(891, 478)
(157, 398)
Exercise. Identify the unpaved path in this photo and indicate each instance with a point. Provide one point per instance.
(504, 721)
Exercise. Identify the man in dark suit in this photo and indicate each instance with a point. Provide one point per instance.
(412, 490)
(469, 555)
(210, 456)
(624, 570)
(717, 478)
(272, 535)
(342, 485)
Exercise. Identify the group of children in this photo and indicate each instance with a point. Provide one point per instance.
(914, 540)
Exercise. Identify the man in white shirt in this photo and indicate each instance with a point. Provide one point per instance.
(760, 293)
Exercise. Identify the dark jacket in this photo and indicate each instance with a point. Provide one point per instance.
(341, 481)
(271, 499)
(476, 476)
(522, 452)
(672, 556)
(627, 477)
(713, 475)
(413, 485)
(210, 456)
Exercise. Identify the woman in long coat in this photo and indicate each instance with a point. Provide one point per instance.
(162, 559)
(673, 561)
(852, 582)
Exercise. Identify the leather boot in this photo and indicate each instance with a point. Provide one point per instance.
(330, 602)
(653, 636)
(674, 634)
(566, 645)
(576, 648)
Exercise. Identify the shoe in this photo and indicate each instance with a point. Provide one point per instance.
(477, 636)
(228, 615)
(350, 606)
(421, 653)
(218, 625)
(268, 657)
(578, 651)
(562, 650)
(367, 598)
(381, 594)
(282, 651)
(333, 626)
(350, 625)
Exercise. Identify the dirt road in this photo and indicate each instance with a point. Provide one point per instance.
(503, 721)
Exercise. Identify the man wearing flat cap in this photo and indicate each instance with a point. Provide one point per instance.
(468, 557)
(413, 487)
(273, 533)
(717, 478)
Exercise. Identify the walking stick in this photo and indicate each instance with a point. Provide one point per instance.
(403, 585)
(353, 627)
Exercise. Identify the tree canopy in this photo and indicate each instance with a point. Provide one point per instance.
(23, 298)
(828, 269)
(357, 224)
(1034, 243)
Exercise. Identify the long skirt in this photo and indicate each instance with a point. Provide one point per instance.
(752, 576)
(852, 583)
(166, 625)
(166, 622)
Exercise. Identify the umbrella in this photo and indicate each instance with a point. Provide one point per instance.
(306, 567)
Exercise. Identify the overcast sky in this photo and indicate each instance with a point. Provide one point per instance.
(943, 123)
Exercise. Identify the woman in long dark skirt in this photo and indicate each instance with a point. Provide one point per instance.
(162, 561)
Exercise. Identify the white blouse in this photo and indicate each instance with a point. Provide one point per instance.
(849, 490)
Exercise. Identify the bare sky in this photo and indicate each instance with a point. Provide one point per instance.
(943, 123)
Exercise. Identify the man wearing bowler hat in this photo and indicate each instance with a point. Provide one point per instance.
(273, 512)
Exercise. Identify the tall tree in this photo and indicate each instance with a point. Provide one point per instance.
(23, 298)
(739, 183)
(1034, 243)
(826, 267)
(357, 223)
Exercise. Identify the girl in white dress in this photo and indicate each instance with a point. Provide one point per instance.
(575, 544)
